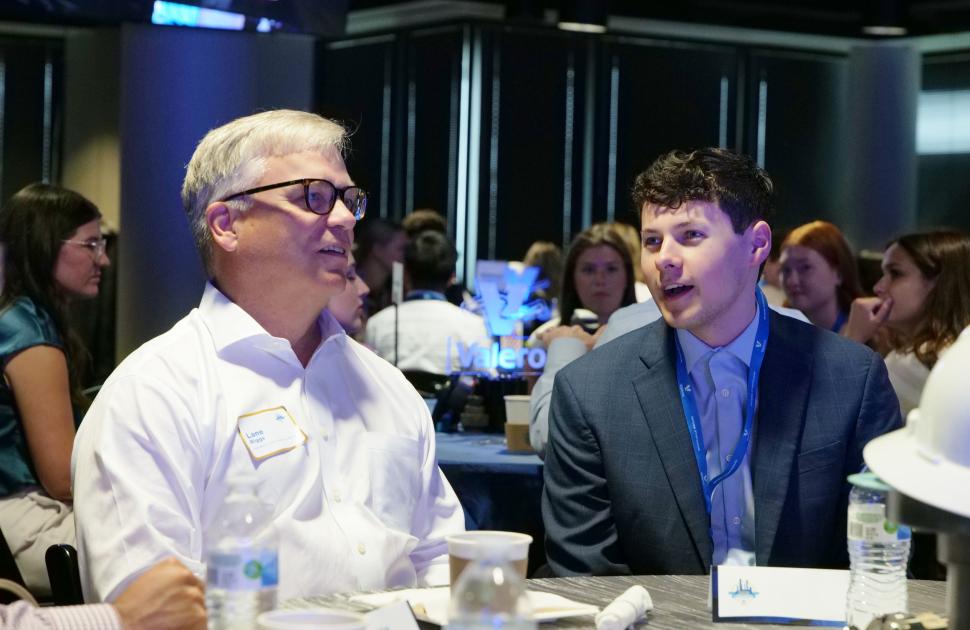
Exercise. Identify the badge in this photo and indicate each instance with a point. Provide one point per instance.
(269, 432)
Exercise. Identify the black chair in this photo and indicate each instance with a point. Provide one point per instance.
(428, 384)
(9, 571)
(64, 575)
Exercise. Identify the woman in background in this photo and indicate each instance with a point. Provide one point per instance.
(922, 300)
(597, 279)
(380, 244)
(53, 253)
(348, 307)
(819, 274)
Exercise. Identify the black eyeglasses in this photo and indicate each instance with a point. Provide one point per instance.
(320, 196)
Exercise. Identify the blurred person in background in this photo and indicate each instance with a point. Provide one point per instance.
(54, 253)
(631, 237)
(547, 256)
(422, 220)
(923, 302)
(348, 307)
(425, 331)
(381, 243)
(597, 279)
(770, 282)
(819, 274)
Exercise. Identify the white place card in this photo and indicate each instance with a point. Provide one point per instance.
(396, 616)
(811, 597)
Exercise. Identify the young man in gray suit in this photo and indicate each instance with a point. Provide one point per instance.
(722, 433)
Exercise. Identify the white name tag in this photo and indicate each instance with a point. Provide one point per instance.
(780, 595)
(269, 432)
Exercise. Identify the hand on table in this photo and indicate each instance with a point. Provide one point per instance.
(866, 315)
(167, 596)
(575, 332)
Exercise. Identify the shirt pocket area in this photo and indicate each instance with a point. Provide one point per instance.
(394, 477)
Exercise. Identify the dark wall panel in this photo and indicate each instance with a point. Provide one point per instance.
(31, 111)
(801, 101)
(431, 123)
(355, 88)
(667, 96)
(535, 190)
(943, 195)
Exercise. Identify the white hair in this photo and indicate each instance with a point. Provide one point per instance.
(232, 158)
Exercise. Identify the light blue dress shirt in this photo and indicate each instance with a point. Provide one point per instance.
(720, 377)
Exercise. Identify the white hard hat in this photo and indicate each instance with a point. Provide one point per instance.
(929, 459)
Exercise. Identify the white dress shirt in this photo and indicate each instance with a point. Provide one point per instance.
(428, 336)
(360, 505)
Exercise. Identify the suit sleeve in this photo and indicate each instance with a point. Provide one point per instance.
(581, 535)
(878, 414)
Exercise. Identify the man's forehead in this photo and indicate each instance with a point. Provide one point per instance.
(688, 211)
(323, 164)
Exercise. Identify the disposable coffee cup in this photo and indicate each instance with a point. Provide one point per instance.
(517, 423)
(306, 618)
(463, 548)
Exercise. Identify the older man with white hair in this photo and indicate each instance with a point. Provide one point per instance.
(358, 500)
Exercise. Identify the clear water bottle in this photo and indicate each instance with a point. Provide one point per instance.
(878, 553)
(241, 560)
(490, 594)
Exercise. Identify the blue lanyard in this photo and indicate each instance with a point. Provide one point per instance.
(839, 322)
(694, 418)
(424, 295)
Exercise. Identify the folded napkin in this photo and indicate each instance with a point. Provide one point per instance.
(625, 610)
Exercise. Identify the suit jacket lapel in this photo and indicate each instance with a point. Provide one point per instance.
(656, 389)
(782, 400)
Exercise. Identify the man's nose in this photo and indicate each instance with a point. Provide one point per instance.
(341, 216)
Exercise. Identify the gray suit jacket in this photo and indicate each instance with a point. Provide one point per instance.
(622, 492)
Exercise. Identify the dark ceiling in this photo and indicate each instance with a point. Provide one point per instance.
(825, 17)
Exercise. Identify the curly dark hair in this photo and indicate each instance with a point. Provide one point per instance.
(944, 256)
(733, 181)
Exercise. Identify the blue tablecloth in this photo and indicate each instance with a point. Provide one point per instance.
(497, 489)
(484, 452)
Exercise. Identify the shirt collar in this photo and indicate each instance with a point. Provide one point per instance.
(694, 349)
(228, 323)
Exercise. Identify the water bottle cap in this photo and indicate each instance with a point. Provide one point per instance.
(869, 481)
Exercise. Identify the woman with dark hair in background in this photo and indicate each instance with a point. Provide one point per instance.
(380, 244)
(922, 300)
(819, 274)
(597, 279)
(53, 253)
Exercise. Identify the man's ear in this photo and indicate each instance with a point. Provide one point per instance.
(220, 218)
(760, 242)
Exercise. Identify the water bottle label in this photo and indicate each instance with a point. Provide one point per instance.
(242, 570)
(868, 523)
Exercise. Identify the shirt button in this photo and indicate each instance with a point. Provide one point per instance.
(336, 497)
(725, 392)
(736, 520)
(361, 549)
(326, 437)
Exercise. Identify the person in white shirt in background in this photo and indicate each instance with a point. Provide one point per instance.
(427, 332)
(358, 500)
(923, 301)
